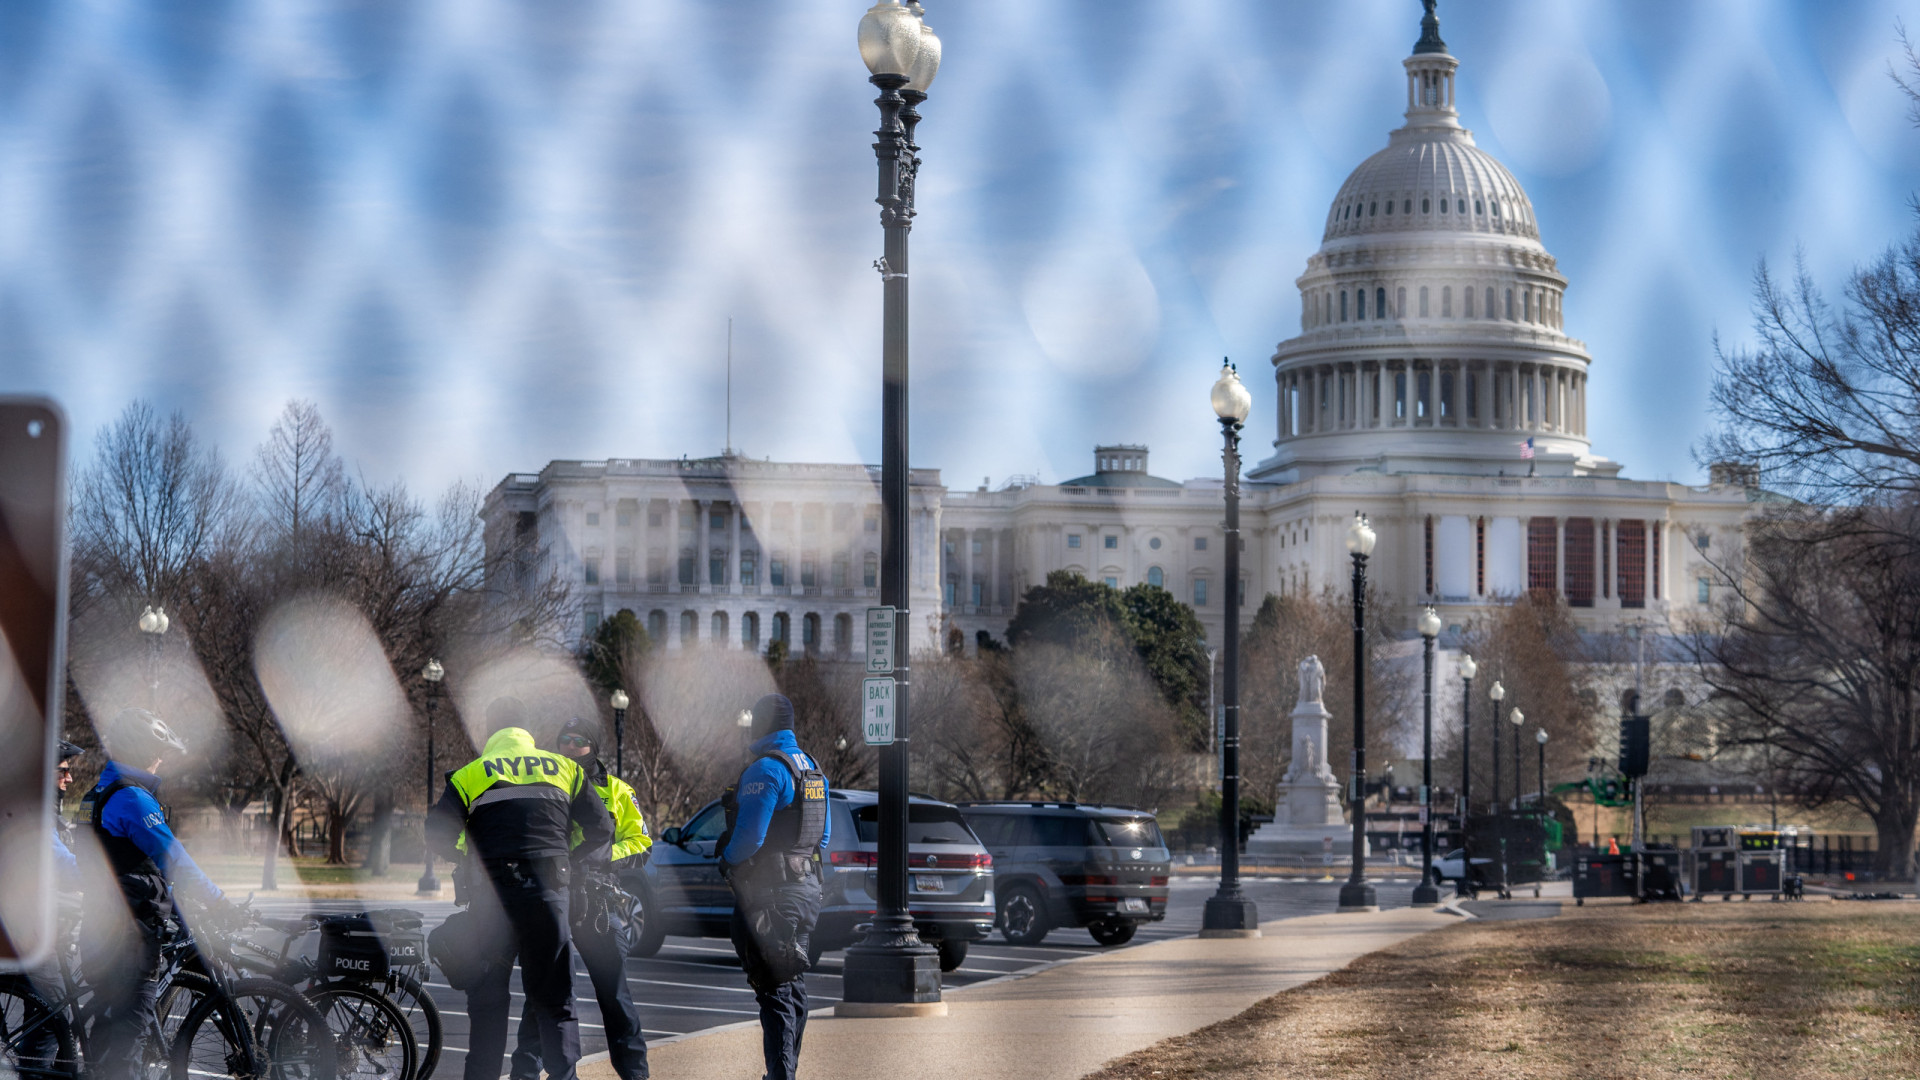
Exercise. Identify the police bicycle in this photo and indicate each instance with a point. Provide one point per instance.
(205, 1024)
(364, 979)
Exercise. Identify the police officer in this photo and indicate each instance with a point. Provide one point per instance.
(595, 939)
(776, 826)
(39, 1045)
(121, 946)
(516, 807)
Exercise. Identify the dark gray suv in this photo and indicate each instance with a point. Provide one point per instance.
(1071, 864)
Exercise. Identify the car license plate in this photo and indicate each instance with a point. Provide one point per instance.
(928, 883)
(1133, 904)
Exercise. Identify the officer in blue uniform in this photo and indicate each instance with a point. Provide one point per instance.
(776, 825)
(121, 947)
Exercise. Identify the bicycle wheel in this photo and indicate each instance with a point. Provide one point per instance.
(36, 1042)
(215, 1042)
(371, 1036)
(289, 1032)
(410, 995)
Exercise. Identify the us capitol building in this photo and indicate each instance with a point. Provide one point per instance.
(1431, 350)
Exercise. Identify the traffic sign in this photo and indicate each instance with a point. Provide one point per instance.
(880, 641)
(876, 710)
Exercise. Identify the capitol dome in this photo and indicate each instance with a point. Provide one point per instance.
(1431, 337)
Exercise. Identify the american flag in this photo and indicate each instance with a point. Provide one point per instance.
(1526, 450)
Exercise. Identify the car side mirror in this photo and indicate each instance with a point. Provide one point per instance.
(671, 836)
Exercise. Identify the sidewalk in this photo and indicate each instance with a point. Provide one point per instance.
(1063, 1022)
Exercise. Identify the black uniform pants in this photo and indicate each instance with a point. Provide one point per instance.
(120, 958)
(783, 1005)
(524, 914)
(626, 1046)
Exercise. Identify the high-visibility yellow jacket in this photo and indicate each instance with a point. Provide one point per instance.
(517, 801)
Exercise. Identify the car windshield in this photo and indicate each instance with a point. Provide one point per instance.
(1128, 832)
(925, 825)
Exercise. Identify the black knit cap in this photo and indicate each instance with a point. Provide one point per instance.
(579, 726)
(770, 714)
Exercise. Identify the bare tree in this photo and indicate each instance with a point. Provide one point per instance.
(1816, 660)
(1532, 647)
(154, 502)
(300, 481)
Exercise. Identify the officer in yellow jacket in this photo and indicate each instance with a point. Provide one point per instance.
(596, 939)
(518, 807)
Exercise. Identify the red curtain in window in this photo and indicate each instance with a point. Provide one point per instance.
(1580, 562)
(1632, 543)
(1543, 554)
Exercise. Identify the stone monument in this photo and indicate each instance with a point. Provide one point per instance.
(1308, 819)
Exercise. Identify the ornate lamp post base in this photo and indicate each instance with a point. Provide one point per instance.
(1426, 894)
(1232, 916)
(429, 884)
(1357, 897)
(897, 977)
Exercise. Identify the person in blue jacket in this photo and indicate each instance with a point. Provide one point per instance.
(777, 823)
(120, 949)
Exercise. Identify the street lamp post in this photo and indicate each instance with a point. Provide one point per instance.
(1506, 820)
(1498, 693)
(1356, 894)
(153, 623)
(1541, 738)
(429, 883)
(1464, 804)
(891, 972)
(619, 702)
(1519, 718)
(1426, 894)
(1229, 913)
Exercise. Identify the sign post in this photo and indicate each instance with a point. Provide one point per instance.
(876, 710)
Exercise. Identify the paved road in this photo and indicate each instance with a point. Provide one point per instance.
(695, 983)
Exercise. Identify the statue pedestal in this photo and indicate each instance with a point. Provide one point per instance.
(1309, 822)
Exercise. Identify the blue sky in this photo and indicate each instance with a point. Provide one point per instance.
(488, 233)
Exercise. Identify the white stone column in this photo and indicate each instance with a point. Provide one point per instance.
(673, 558)
(733, 549)
(993, 569)
(702, 574)
(1560, 556)
(965, 600)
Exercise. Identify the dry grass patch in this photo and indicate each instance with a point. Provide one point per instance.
(1721, 990)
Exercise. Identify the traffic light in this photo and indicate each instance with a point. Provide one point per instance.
(1635, 738)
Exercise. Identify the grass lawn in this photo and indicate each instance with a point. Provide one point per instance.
(1817, 989)
(244, 871)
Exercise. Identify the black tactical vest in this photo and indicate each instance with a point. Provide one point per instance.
(138, 875)
(795, 832)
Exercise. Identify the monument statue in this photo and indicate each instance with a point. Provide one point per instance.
(1309, 819)
(1313, 681)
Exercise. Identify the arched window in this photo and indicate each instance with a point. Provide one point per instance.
(1489, 308)
(810, 633)
(1446, 301)
(750, 630)
(1496, 208)
(1380, 303)
(1329, 298)
(1344, 211)
(1526, 305)
(1359, 305)
(1389, 207)
(657, 626)
(689, 628)
(1509, 305)
(843, 634)
(1155, 578)
(1406, 206)
(1373, 209)
(1479, 207)
(1466, 302)
(1460, 205)
(1426, 206)
(1400, 302)
(1343, 305)
(1423, 301)
(870, 571)
(719, 634)
(1443, 206)
(783, 628)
